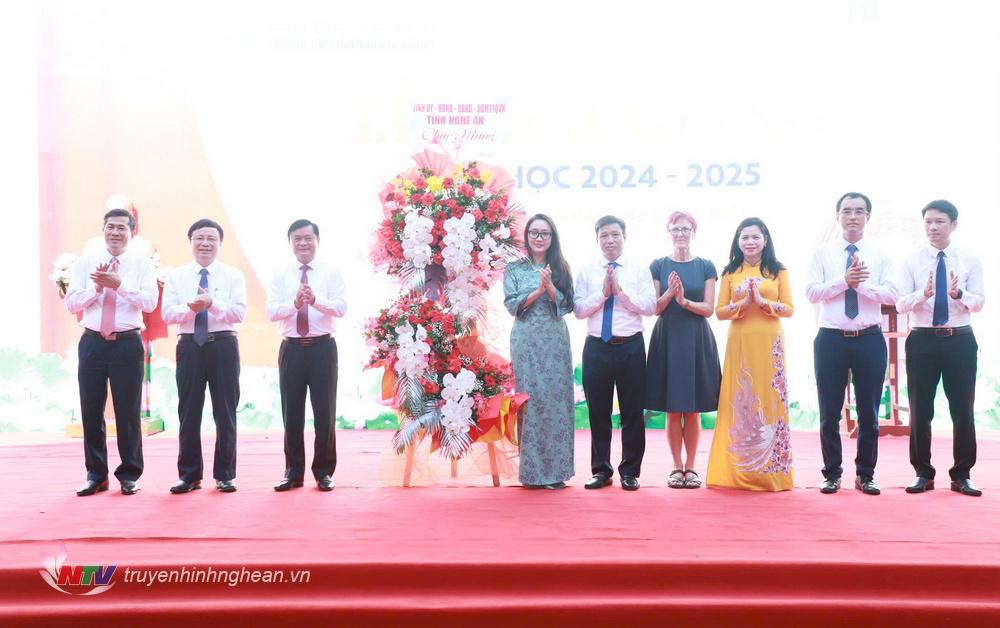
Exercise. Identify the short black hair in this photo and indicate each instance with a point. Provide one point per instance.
(302, 222)
(604, 221)
(943, 206)
(203, 223)
(120, 213)
(868, 202)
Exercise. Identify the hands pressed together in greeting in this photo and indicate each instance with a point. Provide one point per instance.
(304, 296)
(856, 273)
(103, 277)
(545, 285)
(201, 302)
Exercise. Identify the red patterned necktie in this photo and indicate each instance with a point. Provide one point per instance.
(302, 317)
(110, 304)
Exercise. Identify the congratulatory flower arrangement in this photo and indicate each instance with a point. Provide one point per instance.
(448, 232)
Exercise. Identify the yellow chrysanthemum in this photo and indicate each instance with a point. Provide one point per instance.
(485, 176)
(435, 184)
(407, 184)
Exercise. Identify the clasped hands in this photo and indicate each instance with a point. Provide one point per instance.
(675, 290)
(304, 296)
(545, 285)
(749, 292)
(103, 278)
(611, 287)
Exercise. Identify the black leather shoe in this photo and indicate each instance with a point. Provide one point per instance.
(226, 486)
(829, 486)
(920, 485)
(92, 486)
(598, 481)
(325, 483)
(287, 484)
(867, 486)
(630, 483)
(185, 487)
(965, 487)
(555, 486)
(129, 487)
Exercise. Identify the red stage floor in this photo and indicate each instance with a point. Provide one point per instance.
(461, 552)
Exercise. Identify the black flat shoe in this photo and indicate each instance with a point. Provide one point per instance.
(598, 481)
(92, 486)
(287, 484)
(185, 487)
(226, 486)
(325, 483)
(630, 483)
(555, 486)
(920, 485)
(828, 487)
(129, 487)
(965, 487)
(867, 486)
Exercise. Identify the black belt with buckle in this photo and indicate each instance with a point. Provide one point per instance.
(307, 341)
(212, 336)
(620, 340)
(942, 332)
(113, 336)
(854, 333)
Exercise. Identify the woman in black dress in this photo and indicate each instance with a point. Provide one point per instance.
(682, 369)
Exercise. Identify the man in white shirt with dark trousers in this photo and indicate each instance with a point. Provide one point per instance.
(304, 298)
(850, 279)
(940, 286)
(110, 289)
(206, 299)
(613, 294)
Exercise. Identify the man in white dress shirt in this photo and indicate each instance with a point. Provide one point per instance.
(304, 298)
(206, 299)
(111, 289)
(850, 279)
(940, 286)
(613, 294)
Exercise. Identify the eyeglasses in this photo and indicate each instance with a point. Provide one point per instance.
(854, 212)
(539, 235)
(680, 230)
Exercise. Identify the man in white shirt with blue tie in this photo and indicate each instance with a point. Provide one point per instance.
(304, 298)
(206, 299)
(613, 295)
(940, 286)
(850, 280)
(110, 289)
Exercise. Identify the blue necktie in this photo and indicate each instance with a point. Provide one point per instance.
(609, 309)
(851, 296)
(940, 292)
(201, 318)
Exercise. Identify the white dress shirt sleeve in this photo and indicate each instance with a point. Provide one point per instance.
(278, 307)
(175, 309)
(818, 288)
(331, 299)
(79, 294)
(586, 301)
(230, 307)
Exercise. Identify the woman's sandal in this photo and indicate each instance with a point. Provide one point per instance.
(676, 479)
(691, 479)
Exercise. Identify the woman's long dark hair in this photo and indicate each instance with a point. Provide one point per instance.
(562, 277)
(769, 264)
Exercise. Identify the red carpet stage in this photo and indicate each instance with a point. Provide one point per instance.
(464, 553)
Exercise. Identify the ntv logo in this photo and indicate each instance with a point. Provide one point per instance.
(78, 580)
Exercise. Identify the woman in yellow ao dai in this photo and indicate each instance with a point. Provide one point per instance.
(751, 448)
